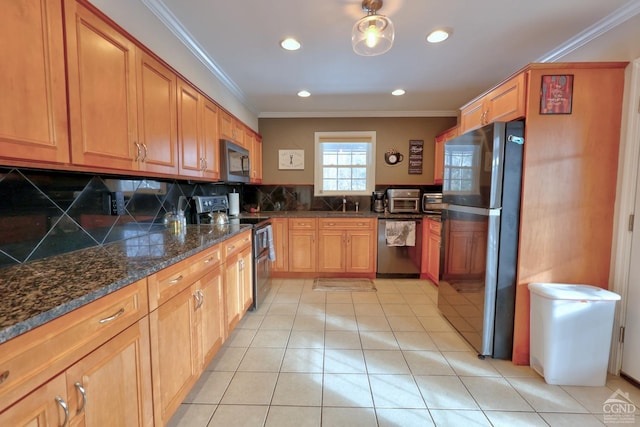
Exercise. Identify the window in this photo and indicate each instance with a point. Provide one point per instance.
(344, 163)
(462, 169)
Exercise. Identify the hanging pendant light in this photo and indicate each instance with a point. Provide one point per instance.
(372, 35)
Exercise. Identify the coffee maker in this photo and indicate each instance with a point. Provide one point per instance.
(377, 201)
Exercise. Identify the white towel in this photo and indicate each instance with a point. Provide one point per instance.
(400, 233)
(272, 251)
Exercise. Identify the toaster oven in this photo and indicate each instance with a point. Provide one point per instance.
(403, 200)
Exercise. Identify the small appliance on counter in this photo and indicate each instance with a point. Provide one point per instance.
(403, 200)
(377, 201)
(432, 203)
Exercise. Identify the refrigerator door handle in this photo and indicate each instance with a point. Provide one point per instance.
(517, 139)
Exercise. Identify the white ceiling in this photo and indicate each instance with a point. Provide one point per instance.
(491, 39)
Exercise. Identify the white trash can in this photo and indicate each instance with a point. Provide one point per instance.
(570, 334)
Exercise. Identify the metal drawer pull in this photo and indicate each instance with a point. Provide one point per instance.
(84, 397)
(65, 408)
(114, 317)
(4, 376)
(176, 280)
(208, 260)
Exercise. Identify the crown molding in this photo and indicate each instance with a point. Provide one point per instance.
(162, 12)
(342, 114)
(625, 12)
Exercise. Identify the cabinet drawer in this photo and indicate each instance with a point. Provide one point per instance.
(170, 281)
(237, 243)
(435, 227)
(302, 224)
(31, 359)
(345, 223)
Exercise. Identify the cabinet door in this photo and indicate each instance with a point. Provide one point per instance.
(361, 251)
(191, 157)
(433, 256)
(174, 355)
(302, 251)
(211, 315)
(232, 291)
(280, 244)
(210, 140)
(507, 101)
(102, 92)
(332, 249)
(33, 111)
(157, 123)
(41, 408)
(472, 116)
(112, 385)
(246, 278)
(257, 159)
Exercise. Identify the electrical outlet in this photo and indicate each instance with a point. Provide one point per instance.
(113, 203)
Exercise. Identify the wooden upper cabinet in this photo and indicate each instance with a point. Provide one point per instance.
(253, 142)
(191, 163)
(210, 140)
(102, 92)
(198, 133)
(122, 101)
(438, 165)
(504, 103)
(231, 128)
(157, 123)
(33, 111)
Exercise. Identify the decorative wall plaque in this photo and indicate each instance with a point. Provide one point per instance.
(416, 149)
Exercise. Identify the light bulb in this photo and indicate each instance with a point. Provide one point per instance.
(372, 35)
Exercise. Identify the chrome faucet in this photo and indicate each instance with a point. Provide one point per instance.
(344, 203)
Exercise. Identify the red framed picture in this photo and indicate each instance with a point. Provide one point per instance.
(557, 94)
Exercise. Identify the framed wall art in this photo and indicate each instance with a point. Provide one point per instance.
(291, 159)
(556, 96)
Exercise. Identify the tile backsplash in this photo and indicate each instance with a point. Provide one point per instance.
(46, 213)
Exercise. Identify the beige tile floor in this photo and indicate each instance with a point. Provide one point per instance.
(385, 358)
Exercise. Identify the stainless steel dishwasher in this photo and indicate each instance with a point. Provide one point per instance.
(399, 247)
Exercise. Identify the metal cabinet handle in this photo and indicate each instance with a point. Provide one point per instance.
(65, 408)
(176, 280)
(196, 296)
(112, 317)
(4, 376)
(144, 158)
(83, 392)
(199, 292)
(137, 151)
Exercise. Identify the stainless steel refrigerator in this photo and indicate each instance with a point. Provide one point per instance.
(481, 193)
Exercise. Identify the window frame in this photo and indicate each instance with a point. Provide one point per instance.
(366, 137)
(474, 169)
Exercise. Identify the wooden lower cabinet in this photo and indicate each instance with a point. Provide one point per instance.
(347, 246)
(431, 250)
(303, 245)
(210, 316)
(280, 228)
(41, 408)
(174, 353)
(238, 285)
(110, 386)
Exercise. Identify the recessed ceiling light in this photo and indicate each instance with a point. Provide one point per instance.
(304, 94)
(290, 44)
(398, 92)
(439, 35)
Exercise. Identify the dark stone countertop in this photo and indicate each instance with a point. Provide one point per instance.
(37, 292)
(336, 214)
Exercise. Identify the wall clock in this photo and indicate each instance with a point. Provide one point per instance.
(290, 159)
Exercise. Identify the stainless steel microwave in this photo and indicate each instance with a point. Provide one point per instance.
(234, 162)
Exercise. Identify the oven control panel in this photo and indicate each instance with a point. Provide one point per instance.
(206, 204)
